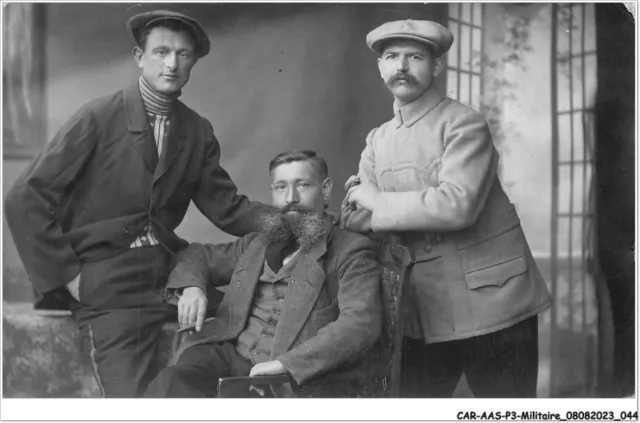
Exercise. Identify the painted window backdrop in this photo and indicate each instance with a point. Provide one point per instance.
(22, 79)
(464, 59)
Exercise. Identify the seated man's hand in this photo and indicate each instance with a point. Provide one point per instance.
(268, 368)
(192, 307)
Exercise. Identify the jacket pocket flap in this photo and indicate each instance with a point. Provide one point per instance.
(496, 275)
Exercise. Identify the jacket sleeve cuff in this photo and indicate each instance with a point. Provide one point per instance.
(288, 364)
(171, 296)
(174, 288)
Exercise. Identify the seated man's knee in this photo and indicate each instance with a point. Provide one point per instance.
(194, 375)
(161, 385)
(178, 381)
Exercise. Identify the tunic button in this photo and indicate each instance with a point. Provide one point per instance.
(427, 248)
(125, 230)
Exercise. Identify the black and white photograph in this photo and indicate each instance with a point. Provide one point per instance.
(426, 209)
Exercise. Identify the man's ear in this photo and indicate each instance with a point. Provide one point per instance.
(380, 67)
(438, 66)
(327, 188)
(137, 54)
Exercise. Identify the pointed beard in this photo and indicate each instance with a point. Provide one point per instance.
(305, 228)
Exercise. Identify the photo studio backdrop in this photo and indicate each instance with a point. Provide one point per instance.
(285, 76)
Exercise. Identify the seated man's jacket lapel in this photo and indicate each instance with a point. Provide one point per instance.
(313, 335)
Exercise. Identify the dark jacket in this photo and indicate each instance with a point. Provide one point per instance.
(95, 186)
(332, 310)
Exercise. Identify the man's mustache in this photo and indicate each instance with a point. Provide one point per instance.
(293, 207)
(402, 77)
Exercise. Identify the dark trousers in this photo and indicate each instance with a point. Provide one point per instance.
(502, 364)
(120, 314)
(196, 373)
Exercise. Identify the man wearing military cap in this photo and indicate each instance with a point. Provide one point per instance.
(428, 180)
(93, 216)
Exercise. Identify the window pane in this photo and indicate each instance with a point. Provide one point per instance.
(569, 135)
(578, 136)
(452, 55)
(563, 249)
(563, 94)
(576, 37)
(564, 188)
(477, 14)
(589, 134)
(477, 50)
(563, 244)
(577, 243)
(564, 138)
(590, 28)
(577, 91)
(578, 188)
(465, 47)
(475, 93)
(453, 10)
(564, 23)
(576, 246)
(465, 89)
(466, 12)
(452, 84)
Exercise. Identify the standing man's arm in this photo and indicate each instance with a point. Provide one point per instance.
(32, 205)
(466, 174)
(217, 195)
(359, 219)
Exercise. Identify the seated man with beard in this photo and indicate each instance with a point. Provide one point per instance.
(303, 295)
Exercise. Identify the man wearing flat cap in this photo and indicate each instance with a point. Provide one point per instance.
(93, 216)
(428, 181)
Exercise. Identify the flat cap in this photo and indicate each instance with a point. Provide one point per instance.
(136, 24)
(431, 33)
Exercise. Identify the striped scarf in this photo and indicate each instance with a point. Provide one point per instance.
(155, 102)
